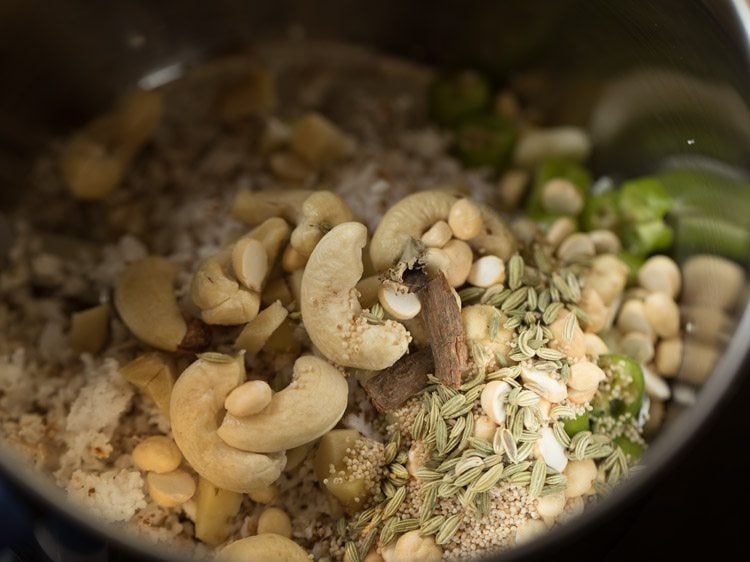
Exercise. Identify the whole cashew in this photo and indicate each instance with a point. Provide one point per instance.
(145, 300)
(311, 405)
(215, 289)
(331, 311)
(263, 548)
(415, 214)
(196, 404)
(320, 213)
(314, 212)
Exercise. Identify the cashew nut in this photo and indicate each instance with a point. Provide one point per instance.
(215, 289)
(276, 521)
(249, 398)
(320, 213)
(197, 402)
(311, 405)
(145, 300)
(254, 207)
(89, 329)
(319, 141)
(263, 548)
(415, 214)
(331, 311)
(254, 336)
(154, 375)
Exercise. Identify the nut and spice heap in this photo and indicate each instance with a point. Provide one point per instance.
(385, 320)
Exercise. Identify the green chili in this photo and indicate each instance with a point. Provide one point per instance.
(455, 97)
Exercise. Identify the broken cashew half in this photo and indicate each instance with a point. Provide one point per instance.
(215, 288)
(330, 307)
(262, 548)
(320, 213)
(196, 404)
(310, 406)
(415, 214)
(145, 300)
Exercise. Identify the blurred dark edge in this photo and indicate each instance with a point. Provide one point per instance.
(682, 63)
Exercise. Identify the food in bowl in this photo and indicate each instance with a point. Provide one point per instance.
(316, 301)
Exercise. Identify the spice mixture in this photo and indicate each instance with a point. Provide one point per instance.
(281, 305)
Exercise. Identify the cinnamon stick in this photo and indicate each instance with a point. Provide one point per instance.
(395, 385)
(442, 319)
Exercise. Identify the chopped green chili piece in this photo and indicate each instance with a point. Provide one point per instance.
(485, 140)
(458, 96)
(576, 425)
(626, 387)
(629, 447)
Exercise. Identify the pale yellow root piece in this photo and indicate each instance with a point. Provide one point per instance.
(215, 509)
(89, 329)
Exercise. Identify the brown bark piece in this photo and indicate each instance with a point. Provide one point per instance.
(406, 377)
(442, 318)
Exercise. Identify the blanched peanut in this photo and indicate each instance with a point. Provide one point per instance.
(663, 314)
(712, 281)
(706, 323)
(171, 488)
(669, 357)
(401, 306)
(560, 230)
(292, 260)
(580, 476)
(460, 259)
(524, 229)
(596, 311)
(576, 346)
(256, 333)
(632, 318)
(276, 521)
(319, 141)
(413, 547)
(577, 245)
(585, 375)
(595, 345)
(561, 196)
(698, 361)
(158, 454)
(607, 276)
(249, 398)
(373, 556)
(89, 329)
(493, 400)
(89, 169)
(529, 530)
(638, 346)
(484, 428)
(660, 274)
(550, 505)
(487, 271)
(605, 241)
(438, 235)
(250, 263)
(511, 188)
(465, 219)
(264, 494)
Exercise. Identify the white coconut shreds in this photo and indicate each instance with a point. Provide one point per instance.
(74, 417)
